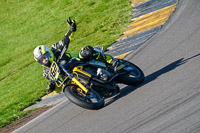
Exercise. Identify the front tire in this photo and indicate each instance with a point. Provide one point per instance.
(91, 101)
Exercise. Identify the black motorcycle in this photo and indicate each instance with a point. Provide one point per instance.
(88, 83)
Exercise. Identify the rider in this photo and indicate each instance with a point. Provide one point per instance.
(45, 56)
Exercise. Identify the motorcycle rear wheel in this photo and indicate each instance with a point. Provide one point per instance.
(135, 76)
(91, 101)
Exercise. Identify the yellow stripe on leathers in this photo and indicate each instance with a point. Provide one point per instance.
(149, 21)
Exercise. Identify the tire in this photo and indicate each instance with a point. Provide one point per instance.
(77, 98)
(134, 78)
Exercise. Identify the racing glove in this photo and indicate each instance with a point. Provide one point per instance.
(46, 73)
(72, 24)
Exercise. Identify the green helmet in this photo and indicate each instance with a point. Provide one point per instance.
(43, 55)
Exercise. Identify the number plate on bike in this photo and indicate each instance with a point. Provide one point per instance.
(53, 72)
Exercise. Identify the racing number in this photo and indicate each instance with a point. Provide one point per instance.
(53, 71)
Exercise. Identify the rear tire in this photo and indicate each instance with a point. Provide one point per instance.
(134, 78)
(93, 101)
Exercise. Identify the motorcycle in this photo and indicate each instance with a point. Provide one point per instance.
(88, 83)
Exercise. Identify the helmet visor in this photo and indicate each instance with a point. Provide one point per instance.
(44, 59)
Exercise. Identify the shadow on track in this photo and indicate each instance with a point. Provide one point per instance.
(129, 89)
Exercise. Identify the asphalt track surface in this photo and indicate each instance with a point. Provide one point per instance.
(167, 102)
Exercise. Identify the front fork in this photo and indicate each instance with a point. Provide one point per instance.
(75, 80)
(79, 84)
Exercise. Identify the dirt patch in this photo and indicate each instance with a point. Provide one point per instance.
(19, 123)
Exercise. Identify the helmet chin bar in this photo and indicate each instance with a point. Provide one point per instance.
(48, 64)
(44, 60)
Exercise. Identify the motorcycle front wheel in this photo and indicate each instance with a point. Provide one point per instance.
(134, 77)
(92, 100)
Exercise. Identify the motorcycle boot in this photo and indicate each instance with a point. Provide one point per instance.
(50, 87)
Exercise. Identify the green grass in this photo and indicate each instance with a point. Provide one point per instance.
(24, 24)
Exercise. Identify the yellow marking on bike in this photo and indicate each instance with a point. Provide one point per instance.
(122, 55)
(59, 85)
(81, 91)
(120, 67)
(79, 84)
(149, 21)
(53, 72)
(83, 72)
